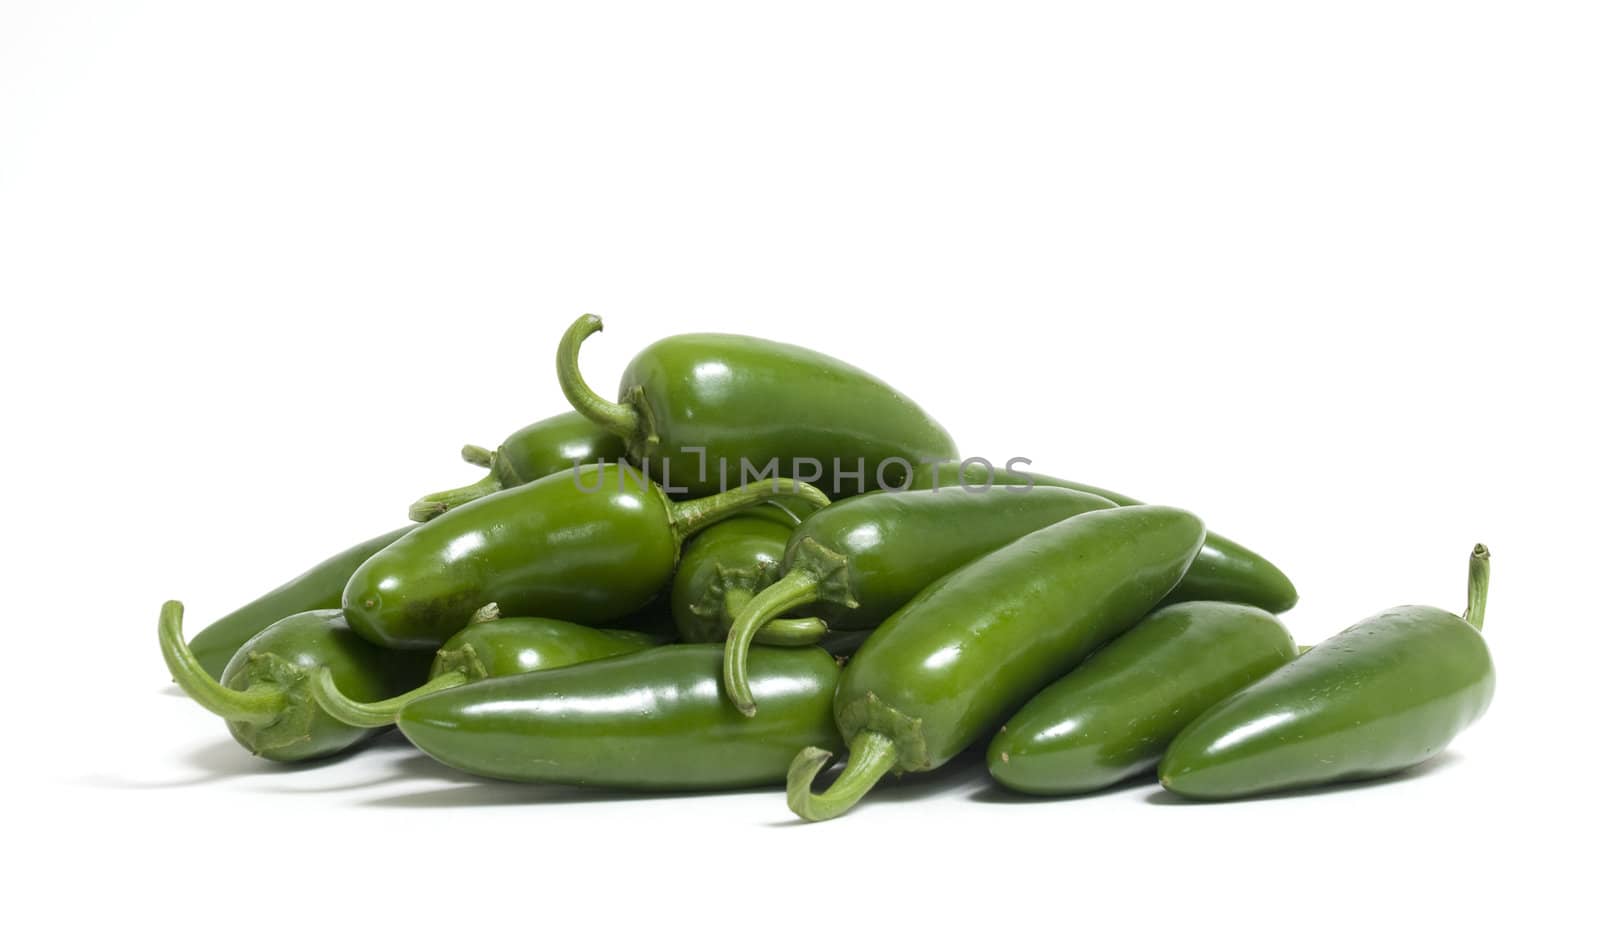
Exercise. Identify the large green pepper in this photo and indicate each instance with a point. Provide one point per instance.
(655, 720)
(318, 588)
(538, 450)
(695, 409)
(490, 647)
(858, 561)
(1112, 718)
(1224, 570)
(265, 691)
(1380, 696)
(588, 545)
(722, 569)
(972, 647)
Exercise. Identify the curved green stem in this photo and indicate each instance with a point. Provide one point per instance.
(1477, 586)
(691, 516)
(372, 715)
(620, 420)
(798, 587)
(434, 504)
(872, 755)
(782, 632)
(258, 704)
(472, 454)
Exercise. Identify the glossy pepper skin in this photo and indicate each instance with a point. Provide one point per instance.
(483, 650)
(265, 691)
(318, 588)
(1223, 571)
(971, 648)
(655, 720)
(1112, 717)
(746, 399)
(588, 545)
(722, 569)
(858, 561)
(538, 450)
(1377, 698)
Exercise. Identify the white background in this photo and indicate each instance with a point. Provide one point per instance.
(1326, 276)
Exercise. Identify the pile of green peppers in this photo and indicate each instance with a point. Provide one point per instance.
(607, 608)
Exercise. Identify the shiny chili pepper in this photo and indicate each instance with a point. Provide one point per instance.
(696, 409)
(1381, 696)
(1112, 717)
(654, 720)
(721, 570)
(489, 647)
(538, 450)
(318, 588)
(1224, 570)
(856, 562)
(265, 691)
(588, 545)
(972, 647)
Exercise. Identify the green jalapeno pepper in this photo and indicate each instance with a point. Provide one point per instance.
(654, 720)
(489, 647)
(860, 560)
(697, 409)
(969, 649)
(318, 588)
(721, 570)
(1224, 570)
(1379, 697)
(586, 545)
(1112, 718)
(537, 450)
(265, 691)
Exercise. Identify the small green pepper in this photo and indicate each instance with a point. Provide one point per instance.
(587, 545)
(721, 570)
(1379, 697)
(860, 560)
(265, 691)
(1224, 570)
(1112, 718)
(318, 588)
(973, 646)
(697, 409)
(537, 450)
(654, 720)
(489, 647)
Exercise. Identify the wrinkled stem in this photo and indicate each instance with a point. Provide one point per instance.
(257, 704)
(472, 454)
(798, 587)
(1477, 586)
(435, 504)
(691, 516)
(372, 715)
(872, 755)
(783, 632)
(620, 420)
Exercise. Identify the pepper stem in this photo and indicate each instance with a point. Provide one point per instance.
(691, 516)
(472, 454)
(798, 587)
(372, 715)
(258, 704)
(872, 755)
(1477, 586)
(435, 504)
(783, 632)
(620, 420)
